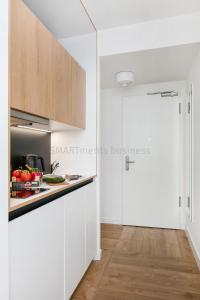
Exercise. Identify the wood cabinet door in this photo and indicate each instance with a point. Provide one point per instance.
(23, 53)
(42, 105)
(78, 95)
(30, 62)
(61, 70)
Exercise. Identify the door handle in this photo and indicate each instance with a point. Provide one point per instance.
(128, 162)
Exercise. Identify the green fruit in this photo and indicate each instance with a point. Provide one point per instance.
(51, 179)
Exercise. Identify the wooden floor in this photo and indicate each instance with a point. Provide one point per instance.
(141, 264)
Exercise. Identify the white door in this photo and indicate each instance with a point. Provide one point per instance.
(151, 139)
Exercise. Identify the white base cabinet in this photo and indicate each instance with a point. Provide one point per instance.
(90, 223)
(80, 234)
(52, 246)
(36, 246)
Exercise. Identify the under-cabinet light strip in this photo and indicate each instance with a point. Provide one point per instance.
(34, 129)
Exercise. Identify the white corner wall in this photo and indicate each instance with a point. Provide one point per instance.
(111, 165)
(111, 142)
(4, 162)
(150, 35)
(76, 149)
(193, 228)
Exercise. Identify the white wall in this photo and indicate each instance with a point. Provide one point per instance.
(111, 165)
(111, 140)
(150, 35)
(194, 227)
(76, 150)
(4, 162)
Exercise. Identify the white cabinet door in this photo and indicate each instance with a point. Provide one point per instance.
(37, 254)
(74, 240)
(80, 234)
(90, 222)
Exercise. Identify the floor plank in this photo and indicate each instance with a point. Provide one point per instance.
(131, 278)
(116, 295)
(142, 264)
(172, 264)
(89, 283)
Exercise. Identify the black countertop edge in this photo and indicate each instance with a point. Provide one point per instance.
(32, 206)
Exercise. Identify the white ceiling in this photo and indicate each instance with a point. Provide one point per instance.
(113, 13)
(152, 66)
(64, 18)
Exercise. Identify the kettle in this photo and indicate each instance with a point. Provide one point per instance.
(34, 161)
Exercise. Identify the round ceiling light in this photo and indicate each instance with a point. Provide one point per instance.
(124, 78)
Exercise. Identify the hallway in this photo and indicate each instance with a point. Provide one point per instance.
(141, 264)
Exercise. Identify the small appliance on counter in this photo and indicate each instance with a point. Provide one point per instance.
(34, 161)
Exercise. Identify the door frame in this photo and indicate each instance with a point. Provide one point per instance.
(189, 207)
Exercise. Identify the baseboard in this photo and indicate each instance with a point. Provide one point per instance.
(110, 221)
(193, 247)
(98, 255)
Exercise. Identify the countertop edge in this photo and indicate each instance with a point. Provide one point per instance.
(21, 210)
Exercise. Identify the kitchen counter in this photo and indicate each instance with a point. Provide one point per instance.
(19, 207)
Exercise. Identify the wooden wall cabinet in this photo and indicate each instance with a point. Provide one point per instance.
(30, 62)
(78, 95)
(44, 79)
(62, 82)
(43, 104)
(22, 55)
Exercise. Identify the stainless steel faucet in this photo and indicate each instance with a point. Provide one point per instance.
(54, 166)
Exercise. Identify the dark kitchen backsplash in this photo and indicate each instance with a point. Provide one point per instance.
(30, 142)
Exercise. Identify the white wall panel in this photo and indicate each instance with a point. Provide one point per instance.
(4, 149)
(193, 227)
(150, 35)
